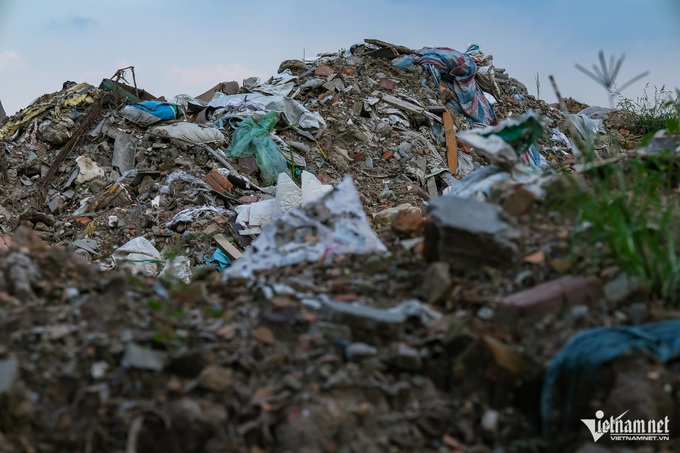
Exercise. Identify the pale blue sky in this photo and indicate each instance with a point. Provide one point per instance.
(188, 46)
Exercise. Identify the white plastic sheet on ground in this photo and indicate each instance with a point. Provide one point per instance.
(288, 196)
(280, 84)
(191, 187)
(482, 182)
(586, 126)
(333, 225)
(292, 111)
(139, 256)
(177, 268)
(139, 116)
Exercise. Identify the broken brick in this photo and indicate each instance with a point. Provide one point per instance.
(324, 70)
(5, 243)
(247, 199)
(388, 84)
(218, 181)
(553, 296)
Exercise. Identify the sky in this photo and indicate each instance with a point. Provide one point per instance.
(186, 47)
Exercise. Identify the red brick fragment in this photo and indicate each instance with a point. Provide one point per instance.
(388, 84)
(554, 296)
(324, 70)
(218, 181)
(5, 243)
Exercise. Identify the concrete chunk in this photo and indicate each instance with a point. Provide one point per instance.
(467, 234)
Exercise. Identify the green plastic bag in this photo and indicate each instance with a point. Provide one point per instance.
(252, 139)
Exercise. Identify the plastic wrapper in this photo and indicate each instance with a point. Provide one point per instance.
(504, 144)
(190, 132)
(252, 139)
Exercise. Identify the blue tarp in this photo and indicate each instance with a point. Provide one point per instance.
(579, 359)
(159, 109)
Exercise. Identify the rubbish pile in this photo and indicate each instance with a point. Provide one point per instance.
(338, 258)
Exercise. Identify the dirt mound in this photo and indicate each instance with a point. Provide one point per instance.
(123, 331)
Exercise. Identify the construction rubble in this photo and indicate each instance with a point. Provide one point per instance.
(354, 255)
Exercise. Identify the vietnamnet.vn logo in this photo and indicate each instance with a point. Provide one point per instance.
(620, 429)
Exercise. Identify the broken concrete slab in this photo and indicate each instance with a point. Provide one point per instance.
(124, 149)
(469, 234)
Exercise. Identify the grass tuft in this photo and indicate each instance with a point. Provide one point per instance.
(649, 114)
(632, 207)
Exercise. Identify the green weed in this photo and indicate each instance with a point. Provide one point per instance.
(628, 210)
(633, 213)
(647, 115)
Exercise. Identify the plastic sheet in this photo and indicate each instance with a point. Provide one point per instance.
(292, 112)
(219, 260)
(190, 132)
(252, 139)
(288, 196)
(177, 268)
(344, 229)
(148, 112)
(139, 256)
(504, 144)
(586, 126)
(482, 182)
(190, 214)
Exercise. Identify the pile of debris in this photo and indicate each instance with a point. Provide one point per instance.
(94, 168)
(338, 258)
